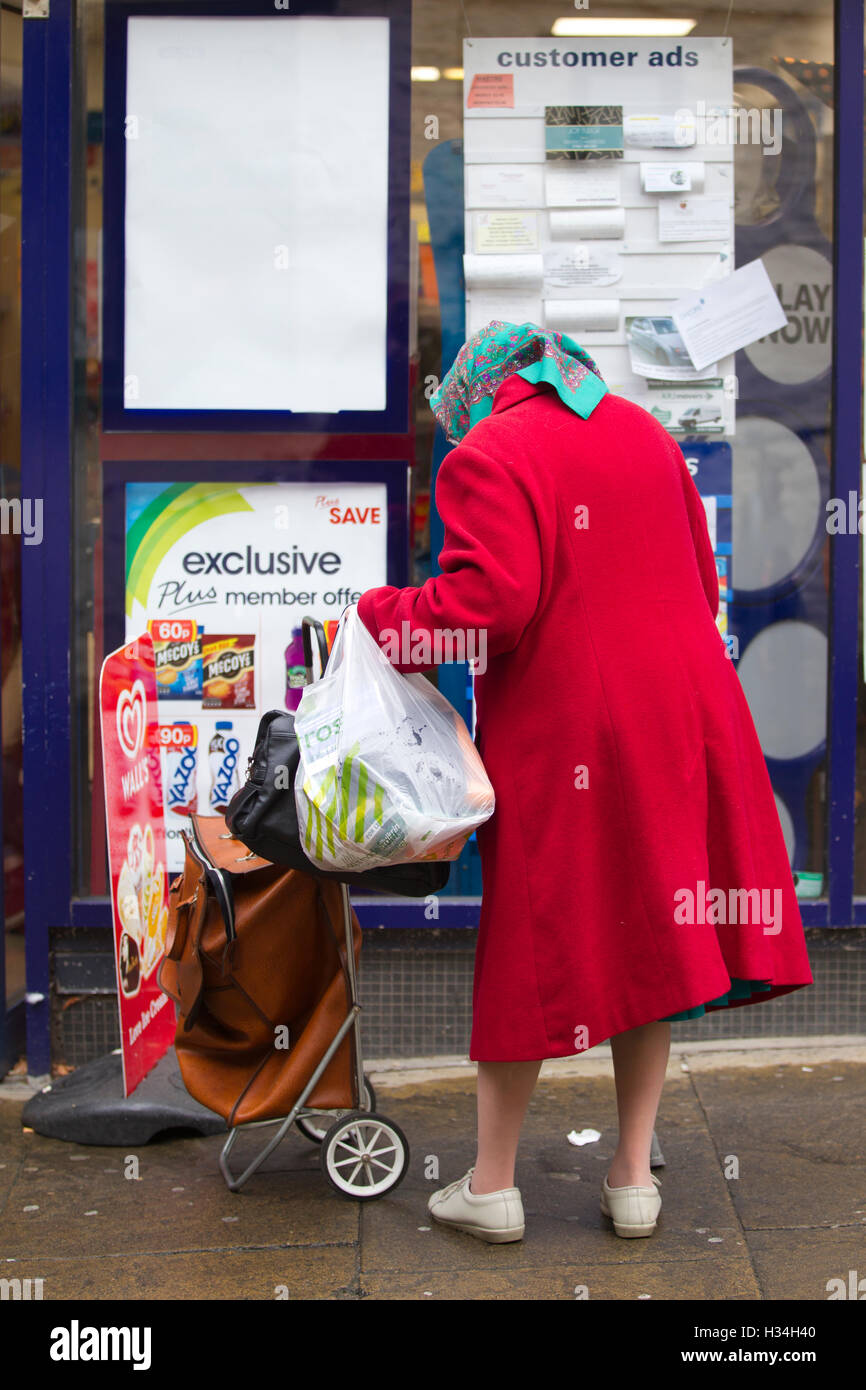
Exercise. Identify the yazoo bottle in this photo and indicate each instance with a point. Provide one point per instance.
(181, 762)
(296, 671)
(223, 758)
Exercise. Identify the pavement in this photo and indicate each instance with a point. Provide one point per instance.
(764, 1194)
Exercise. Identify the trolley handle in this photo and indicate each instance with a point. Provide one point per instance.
(308, 627)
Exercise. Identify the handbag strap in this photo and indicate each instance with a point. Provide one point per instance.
(308, 627)
(219, 884)
(218, 880)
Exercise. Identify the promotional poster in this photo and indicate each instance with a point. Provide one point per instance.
(136, 851)
(221, 575)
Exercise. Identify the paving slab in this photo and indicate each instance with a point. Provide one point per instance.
(781, 1222)
(560, 1184)
(725, 1279)
(810, 1264)
(70, 1199)
(300, 1272)
(12, 1142)
(797, 1138)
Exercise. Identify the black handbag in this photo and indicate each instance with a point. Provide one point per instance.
(262, 814)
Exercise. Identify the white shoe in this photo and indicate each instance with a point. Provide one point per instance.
(633, 1210)
(492, 1216)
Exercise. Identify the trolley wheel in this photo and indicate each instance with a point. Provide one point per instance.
(364, 1156)
(315, 1127)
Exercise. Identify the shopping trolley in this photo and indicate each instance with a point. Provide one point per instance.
(229, 915)
(363, 1154)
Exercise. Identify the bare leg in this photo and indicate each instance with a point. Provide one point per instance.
(504, 1089)
(640, 1058)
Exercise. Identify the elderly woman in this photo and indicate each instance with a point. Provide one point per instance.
(634, 870)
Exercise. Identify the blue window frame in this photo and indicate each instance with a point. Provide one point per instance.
(47, 278)
(115, 415)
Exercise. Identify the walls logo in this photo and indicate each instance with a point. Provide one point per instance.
(131, 719)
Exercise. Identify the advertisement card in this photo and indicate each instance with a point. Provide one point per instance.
(222, 575)
(583, 132)
(136, 852)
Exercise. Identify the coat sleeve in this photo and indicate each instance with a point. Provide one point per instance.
(490, 583)
(700, 537)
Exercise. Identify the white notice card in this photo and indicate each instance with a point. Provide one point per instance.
(505, 231)
(595, 183)
(728, 314)
(568, 268)
(592, 223)
(504, 185)
(660, 131)
(662, 177)
(508, 272)
(694, 219)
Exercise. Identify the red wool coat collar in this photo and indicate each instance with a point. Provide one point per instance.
(515, 389)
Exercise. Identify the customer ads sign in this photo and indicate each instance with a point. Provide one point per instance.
(136, 851)
(221, 575)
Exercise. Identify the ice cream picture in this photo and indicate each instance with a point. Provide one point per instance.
(130, 965)
(141, 909)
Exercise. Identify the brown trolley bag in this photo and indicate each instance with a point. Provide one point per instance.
(258, 972)
(267, 1026)
(261, 960)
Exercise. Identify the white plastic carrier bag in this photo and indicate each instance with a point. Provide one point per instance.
(388, 771)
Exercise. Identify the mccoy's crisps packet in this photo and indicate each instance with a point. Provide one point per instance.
(228, 671)
(177, 653)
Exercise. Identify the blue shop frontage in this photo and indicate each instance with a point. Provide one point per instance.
(241, 245)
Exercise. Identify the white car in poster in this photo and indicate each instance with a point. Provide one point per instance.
(658, 340)
(699, 417)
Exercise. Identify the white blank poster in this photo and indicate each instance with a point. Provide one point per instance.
(256, 213)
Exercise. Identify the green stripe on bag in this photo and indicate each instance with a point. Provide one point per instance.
(326, 809)
(308, 832)
(360, 814)
(331, 815)
(345, 785)
(330, 801)
(317, 850)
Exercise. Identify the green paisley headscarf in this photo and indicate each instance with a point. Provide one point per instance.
(502, 350)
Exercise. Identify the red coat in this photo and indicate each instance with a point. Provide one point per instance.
(628, 775)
